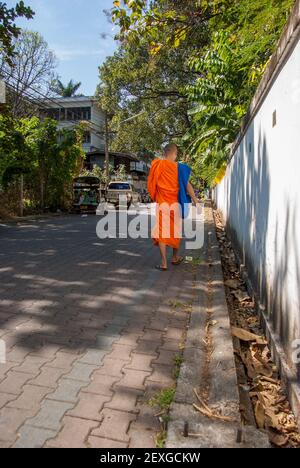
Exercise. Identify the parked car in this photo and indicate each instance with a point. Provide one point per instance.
(86, 194)
(121, 193)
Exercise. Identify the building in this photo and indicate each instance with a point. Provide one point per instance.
(70, 111)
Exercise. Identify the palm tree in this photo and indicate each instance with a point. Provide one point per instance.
(65, 91)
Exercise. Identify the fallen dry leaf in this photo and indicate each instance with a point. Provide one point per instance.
(259, 414)
(274, 420)
(245, 335)
(278, 439)
(247, 361)
(252, 321)
(270, 380)
(241, 296)
(261, 366)
(232, 283)
(270, 405)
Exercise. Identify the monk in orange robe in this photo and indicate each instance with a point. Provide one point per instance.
(163, 187)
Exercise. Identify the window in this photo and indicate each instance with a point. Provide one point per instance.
(50, 114)
(118, 186)
(67, 114)
(87, 137)
(78, 113)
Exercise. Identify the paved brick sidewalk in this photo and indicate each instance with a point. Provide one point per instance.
(91, 331)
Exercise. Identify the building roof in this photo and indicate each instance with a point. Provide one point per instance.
(130, 156)
(65, 100)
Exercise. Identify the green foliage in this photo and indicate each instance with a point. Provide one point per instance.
(145, 98)
(164, 23)
(187, 70)
(47, 157)
(163, 399)
(68, 90)
(8, 29)
(218, 106)
(120, 172)
(96, 172)
(230, 69)
(178, 360)
(160, 439)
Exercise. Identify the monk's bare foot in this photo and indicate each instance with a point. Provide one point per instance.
(176, 260)
(161, 268)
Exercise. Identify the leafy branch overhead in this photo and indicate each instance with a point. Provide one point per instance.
(186, 71)
(8, 29)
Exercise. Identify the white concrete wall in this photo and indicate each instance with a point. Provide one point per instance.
(260, 200)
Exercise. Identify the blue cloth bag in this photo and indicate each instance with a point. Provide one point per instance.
(184, 172)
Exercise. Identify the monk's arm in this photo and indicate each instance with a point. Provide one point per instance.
(191, 193)
(152, 185)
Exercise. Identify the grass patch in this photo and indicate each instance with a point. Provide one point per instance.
(160, 439)
(195, 261)
(163, 399)
(178, 360)
(175, 304)
(185, 306)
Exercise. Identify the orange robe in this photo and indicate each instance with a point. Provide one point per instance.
(163, 187)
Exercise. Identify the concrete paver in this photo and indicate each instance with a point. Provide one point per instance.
(90, 335)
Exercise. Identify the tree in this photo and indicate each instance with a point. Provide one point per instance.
(48, 158)
(97, 171)
(143, 84)
(65, 91)
(229, 69)
(204, 57)
(8, 29)
(166, 23)
(145, 98)
(65, 165)
(218, 106)
(31, 69)
(13, 159)
(120, 172)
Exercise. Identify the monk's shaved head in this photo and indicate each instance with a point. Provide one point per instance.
(170, 148)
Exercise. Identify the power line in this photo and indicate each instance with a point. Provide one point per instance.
(30, 97)
(45, 99)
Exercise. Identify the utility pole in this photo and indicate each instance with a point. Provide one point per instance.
(2, 92)
(2, 95)
(106, 148)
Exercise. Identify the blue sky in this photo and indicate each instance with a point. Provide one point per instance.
(73, 30)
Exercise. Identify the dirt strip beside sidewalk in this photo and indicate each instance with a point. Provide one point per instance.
(205, 409)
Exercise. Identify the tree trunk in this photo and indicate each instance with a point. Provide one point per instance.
(21, 195)
(42, 194)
